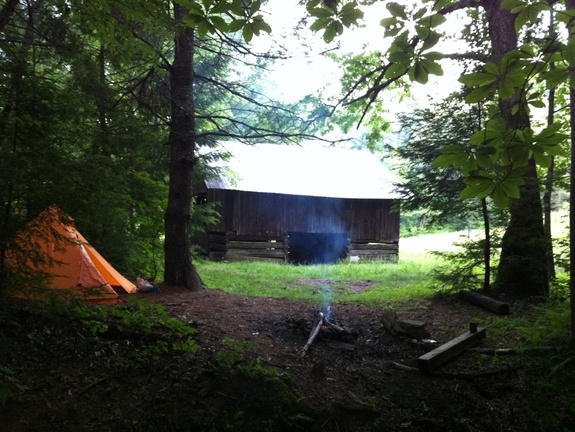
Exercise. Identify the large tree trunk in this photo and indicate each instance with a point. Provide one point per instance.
(550, 176)
(570, 4)
(486, 247)
(523, 263)
(523, 266)
(179, 269)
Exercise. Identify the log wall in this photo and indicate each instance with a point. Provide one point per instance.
(373, 252)
(230, 247)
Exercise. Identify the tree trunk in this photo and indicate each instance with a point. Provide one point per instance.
(570, 4)
(179, 269)
(7, 12)
(550, 176)
(547, 208)
(523, 263)
(486, 247)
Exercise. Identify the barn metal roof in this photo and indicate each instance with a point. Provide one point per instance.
(311, 170)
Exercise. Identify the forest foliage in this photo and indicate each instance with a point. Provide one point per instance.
(85, 114)
(86, 111)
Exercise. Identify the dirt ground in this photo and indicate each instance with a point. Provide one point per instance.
(365, 381)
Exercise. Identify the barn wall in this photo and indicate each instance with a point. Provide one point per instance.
(272, 215)
(374, 221)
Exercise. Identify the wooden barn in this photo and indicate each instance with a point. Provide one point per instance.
(300, 204)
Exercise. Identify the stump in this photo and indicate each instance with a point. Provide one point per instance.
(413, 328)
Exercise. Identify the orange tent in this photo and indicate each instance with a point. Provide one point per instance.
(51, 245)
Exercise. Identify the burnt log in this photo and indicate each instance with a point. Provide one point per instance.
(312, 336)
(485, 302)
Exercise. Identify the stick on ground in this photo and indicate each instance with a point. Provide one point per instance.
(312, 336)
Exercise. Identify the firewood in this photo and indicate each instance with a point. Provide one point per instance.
(312, 336)
(342, 346)
(334, 327)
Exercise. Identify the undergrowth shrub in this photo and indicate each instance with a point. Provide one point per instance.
(144, 318)
(9, 382)
(238, 356)
(151, 331)
(464, 269)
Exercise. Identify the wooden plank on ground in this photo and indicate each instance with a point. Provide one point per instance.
(444, 353)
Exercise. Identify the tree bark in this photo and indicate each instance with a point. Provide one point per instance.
(7, 12)
(523, 265)
(486, 247)
(570, 4)
(550, 176)
(179, 269)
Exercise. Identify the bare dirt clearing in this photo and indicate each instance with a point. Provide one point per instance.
(248, 374)
(81, 383)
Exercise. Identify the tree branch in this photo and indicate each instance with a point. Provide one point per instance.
(7, 12)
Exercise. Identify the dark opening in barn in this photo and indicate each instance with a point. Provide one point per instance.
(317, 248)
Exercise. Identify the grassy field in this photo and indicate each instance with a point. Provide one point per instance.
(407, 278)
(383, 281)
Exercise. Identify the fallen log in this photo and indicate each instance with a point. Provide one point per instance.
(485, 302)
(447, 351)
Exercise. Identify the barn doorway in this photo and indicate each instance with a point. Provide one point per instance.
(316, 248)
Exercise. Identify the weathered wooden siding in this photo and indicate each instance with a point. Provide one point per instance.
(373, 221)
(274, 215)
(257, 226)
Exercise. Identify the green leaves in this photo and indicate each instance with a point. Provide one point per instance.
(332, 18)
(410, 54)
(424, 66)
(227, 16)
(526, 12)
(494, 165)
(254, 27)
(507, 78)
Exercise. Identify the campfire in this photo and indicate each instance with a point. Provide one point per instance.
(325, 325)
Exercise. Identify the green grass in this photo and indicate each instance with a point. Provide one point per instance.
(534, 325)
(529, 326)
(403, 280)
